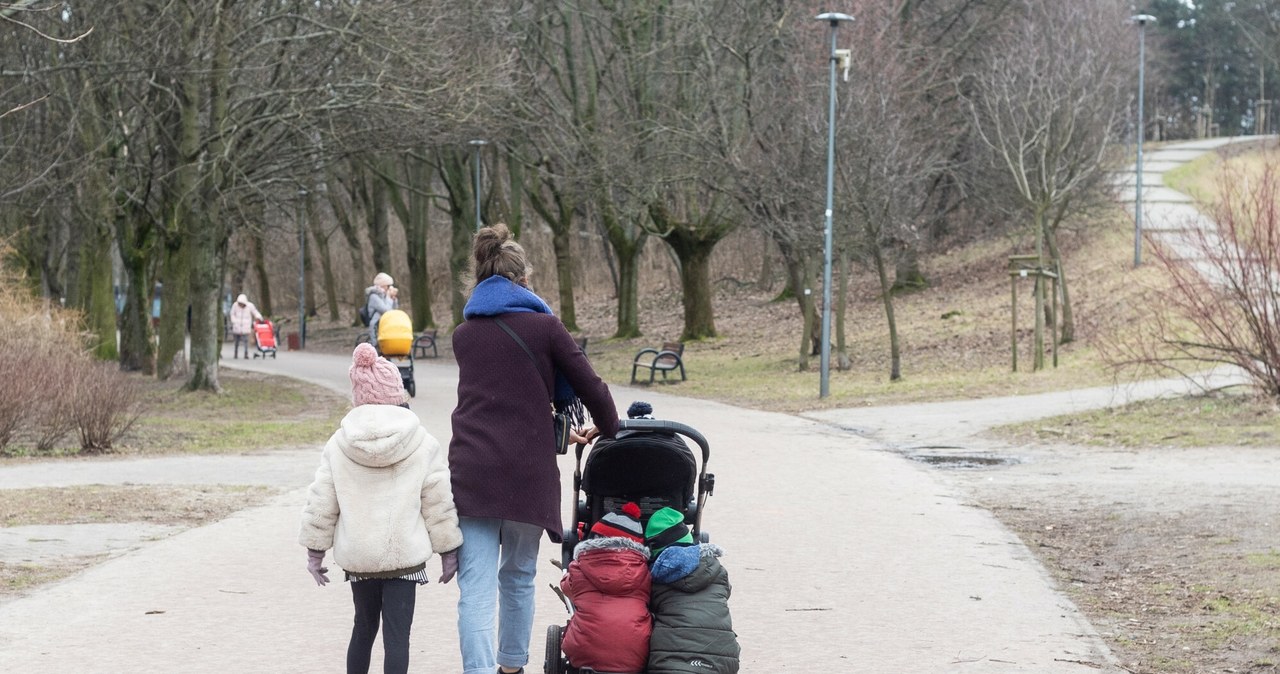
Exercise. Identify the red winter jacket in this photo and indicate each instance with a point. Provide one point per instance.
(608, 583)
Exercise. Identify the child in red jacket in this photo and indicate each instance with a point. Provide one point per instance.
(608, 584)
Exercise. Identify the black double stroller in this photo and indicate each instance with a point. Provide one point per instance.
(648, 463)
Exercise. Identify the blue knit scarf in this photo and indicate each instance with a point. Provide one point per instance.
(498, 295)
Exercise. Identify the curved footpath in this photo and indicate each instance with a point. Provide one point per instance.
(843, 557)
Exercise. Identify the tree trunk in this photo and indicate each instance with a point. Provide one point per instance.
(320, 241)
(561, 223)
(208, 239)
(695, 284)
(906, 273)
(886, 295)
(451, 165)
(843, 362)
(173, 313)
(355, 249)
(135, 236)
(263, 300)
(378, 226)
(413, 209)
(626, 244)
(800, 282)
(100, 314)
(1068, 333)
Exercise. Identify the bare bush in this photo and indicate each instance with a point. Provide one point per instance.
(52, 417)
(105, 404)
(1220, 306)
(34, 335)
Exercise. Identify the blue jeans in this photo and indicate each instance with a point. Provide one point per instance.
(498, 560)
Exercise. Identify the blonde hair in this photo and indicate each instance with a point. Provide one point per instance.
(495, 252)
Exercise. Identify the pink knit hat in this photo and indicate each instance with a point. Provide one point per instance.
(374, 379)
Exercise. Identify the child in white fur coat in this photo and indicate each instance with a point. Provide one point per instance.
(382, 501)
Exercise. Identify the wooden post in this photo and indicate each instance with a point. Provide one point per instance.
(1053, 324)
(1013, 286)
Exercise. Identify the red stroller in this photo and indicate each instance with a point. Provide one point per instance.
(264, 333)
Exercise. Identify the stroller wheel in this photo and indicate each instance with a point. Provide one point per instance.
(413, 389)
(554, 663)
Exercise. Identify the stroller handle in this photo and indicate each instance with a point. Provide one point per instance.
(664, 425)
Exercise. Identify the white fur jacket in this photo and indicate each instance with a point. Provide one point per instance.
(381, 497)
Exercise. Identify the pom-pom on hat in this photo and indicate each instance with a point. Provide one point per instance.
(374, 379)
(666, 527)
(624, 524)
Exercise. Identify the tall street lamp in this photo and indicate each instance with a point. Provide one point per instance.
(1142, 20)
(302, 269)
(824, 388)
(477, 144)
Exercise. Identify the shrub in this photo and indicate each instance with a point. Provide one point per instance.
(105, 403)
(1222, 303)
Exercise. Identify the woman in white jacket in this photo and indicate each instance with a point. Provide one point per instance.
(382, 501)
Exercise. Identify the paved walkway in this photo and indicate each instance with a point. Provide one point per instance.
(843, 557)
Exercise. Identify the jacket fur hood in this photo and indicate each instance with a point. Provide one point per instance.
(379, 435)
(609, 543)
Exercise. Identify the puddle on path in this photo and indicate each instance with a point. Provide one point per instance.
(963, 461)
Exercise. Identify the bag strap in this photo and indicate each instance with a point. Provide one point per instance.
(507, 329)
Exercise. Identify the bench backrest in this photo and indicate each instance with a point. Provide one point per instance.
(666, 359)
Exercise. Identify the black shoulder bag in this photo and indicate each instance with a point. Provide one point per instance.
(560, 420)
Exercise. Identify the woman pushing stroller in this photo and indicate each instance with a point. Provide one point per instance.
(502, 457)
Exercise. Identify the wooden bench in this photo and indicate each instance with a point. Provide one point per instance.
(424, 341)
(670, 357)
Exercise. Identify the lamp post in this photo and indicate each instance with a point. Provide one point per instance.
(477, 144)
(302, 270)
(1142, 20)
(824, 387)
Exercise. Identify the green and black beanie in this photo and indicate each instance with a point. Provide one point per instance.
(666, 527)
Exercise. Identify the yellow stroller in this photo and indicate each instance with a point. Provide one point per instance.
(395, 343)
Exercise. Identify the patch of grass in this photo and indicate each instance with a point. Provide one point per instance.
(16, 579)
(254, 411)
(1197, 178)
(1203, 421)
(1265, 560)
(172, 505)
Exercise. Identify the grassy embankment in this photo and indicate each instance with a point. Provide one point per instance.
(1230, 419)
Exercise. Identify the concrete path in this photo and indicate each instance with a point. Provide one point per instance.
(844, 557)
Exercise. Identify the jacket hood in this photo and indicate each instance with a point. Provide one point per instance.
(609, 542)
(370, 290)
(379, 435)
(613, 565)
(691, 568)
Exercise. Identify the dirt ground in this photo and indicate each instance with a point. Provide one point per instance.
(1171, 553)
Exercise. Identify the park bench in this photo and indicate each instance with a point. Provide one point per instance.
(582, 344)
(670, 357)
(424, 341)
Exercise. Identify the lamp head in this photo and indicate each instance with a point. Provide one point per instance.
(1142, 19)
(834, 18)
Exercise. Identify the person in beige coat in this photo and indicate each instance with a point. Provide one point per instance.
(382, 501)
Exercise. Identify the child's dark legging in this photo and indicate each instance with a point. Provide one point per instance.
(392, 600)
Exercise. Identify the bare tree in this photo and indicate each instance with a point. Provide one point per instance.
(889, 156)
(1047, 108)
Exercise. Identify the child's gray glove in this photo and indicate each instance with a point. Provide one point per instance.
(315, 558)
(448, 566)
